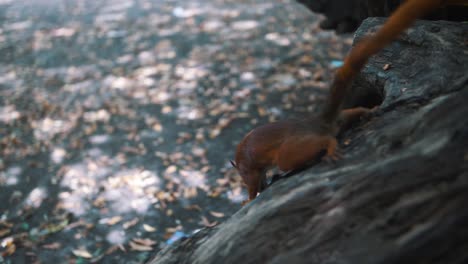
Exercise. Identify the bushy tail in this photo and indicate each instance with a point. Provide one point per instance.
(400, 20)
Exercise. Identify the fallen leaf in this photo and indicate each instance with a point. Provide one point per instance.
(149, 228)
(171, 169)
(144, 241)
(83, 253)
(130, 223)
(205, 169)
(166, 109)
(4, 232)
(169, 212)
(261, 111)
(157, 127)
(217, 214)
(110, 221)
(190, 192)
(214, 193)
(222, 181)
(53, 228)
(99, 202)
(7, 241)
(137, 247)
(215, 132)
(81, 222)
(5, 223)
(10, 249)
(55, 245)
(199, 152)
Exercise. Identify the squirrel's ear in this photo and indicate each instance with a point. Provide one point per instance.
(233, 164)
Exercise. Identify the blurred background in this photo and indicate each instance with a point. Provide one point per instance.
(118, 118)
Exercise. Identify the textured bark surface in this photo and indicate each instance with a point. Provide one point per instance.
(399, 194)
(346, 15)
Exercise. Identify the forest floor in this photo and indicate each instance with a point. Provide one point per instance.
(118, 118)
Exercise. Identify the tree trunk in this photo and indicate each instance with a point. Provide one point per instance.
(400, 193)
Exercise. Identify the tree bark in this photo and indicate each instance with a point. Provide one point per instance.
(399, 195)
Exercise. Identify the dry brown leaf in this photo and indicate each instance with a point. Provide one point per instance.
(9, 250)
(56, 227)
(215, 132)
(200, 136)
(111, 221)
(114, 220)
(214, 193)
(217, 214)
(224, 122)
(222, 181)
(130, 223)
(176, 156)
(199, 152)
(157, 127)
(171, 169)
(55, 245)
(137, 247)
(83, 253)
(262, 111)
(166, 109)
(99, 202)
(205, 169)
(149, 228)
(4, 232)
(5, 223)
(81, 222)
(144, 241)
(190, 192)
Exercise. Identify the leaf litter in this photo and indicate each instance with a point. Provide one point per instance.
(116, 127)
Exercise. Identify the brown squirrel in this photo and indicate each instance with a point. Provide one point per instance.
(291, 144)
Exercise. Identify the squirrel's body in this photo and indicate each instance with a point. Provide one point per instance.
(273, 145)
(289, 145)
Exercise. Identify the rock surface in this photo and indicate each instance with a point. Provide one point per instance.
(346, 15)
(398, 195)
